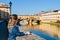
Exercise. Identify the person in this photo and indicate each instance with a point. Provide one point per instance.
(18, 22)
(14, 30)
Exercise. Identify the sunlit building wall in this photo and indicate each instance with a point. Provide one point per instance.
(51, 16)
(29, 17)
(4, 10)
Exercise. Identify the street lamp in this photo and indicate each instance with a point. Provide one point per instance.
(10, 6)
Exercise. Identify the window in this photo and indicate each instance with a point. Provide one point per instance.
(0, 15)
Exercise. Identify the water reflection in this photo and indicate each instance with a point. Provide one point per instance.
(54, 31)
(32, 26)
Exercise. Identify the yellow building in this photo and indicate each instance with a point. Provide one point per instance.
(50, 16)
(4, 10)
(37, 17)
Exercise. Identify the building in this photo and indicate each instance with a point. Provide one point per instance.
(29, 19)
(50, 16)
(37, 17)
(4, 10)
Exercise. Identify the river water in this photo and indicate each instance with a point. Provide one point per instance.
(45, 30)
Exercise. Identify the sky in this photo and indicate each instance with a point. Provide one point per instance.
(28, 7)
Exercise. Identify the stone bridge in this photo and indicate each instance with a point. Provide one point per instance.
(29, 18)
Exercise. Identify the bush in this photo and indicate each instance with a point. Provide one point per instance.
(58, 21)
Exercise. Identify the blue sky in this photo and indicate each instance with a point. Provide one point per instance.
(24, 7)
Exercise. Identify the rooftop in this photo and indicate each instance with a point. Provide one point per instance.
(3, 5)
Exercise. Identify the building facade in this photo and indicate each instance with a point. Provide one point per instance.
(4, 10)
(29, 17)
(50, 16)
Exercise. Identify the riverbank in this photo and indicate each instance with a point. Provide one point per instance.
(52, 23)
(28, 37)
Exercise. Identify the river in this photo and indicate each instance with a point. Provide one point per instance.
(50, 30)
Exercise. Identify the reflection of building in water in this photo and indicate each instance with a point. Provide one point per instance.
(32, 26)
(4, 10)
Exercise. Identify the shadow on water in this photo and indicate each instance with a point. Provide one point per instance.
(43, 35)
